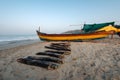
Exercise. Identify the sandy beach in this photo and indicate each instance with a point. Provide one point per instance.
(89, 60)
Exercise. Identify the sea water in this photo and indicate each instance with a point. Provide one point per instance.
(9, 41)
(17, 37)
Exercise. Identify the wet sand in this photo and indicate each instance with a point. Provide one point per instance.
(89, 60)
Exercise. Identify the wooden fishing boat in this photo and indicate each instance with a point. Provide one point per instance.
(74, 37)
(91, 31)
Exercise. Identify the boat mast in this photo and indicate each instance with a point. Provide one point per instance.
(39, 29)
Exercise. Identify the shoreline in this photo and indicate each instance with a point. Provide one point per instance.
(12, 44)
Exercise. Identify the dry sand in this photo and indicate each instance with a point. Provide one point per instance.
(90, 60)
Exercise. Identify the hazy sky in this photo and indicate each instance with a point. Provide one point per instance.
(54, 16)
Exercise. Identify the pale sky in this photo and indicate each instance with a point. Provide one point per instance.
(54, 16)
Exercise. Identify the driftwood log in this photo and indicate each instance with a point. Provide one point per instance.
(61, 44)
(57, 48)
(51, 54)
(50, 59)
(59, 52)
(44, 64)
(62, 47)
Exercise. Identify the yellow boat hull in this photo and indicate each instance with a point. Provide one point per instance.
(73, 37)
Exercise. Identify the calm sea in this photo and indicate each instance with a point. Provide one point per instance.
(17, 37)
(9, 41)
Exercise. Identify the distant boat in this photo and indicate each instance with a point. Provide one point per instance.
(96, 32)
